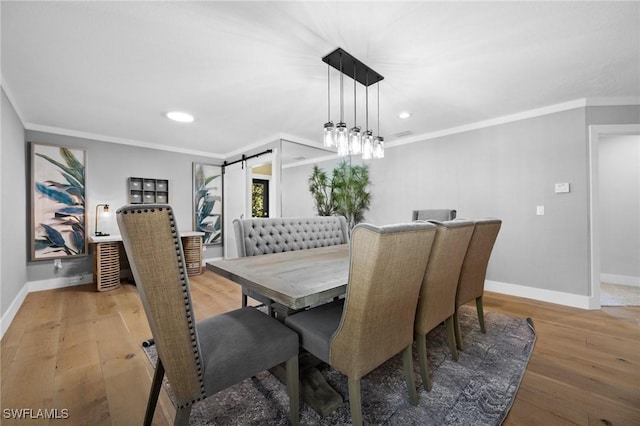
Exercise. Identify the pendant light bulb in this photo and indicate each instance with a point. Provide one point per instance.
(367, 145)
(329, 137)
(378, 147)
(355, 136)
(342, 139)
(329, 134)
(355, 140)
(378, 141)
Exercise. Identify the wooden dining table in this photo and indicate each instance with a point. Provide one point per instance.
(296, 280)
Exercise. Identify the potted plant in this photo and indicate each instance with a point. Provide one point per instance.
(346, 194)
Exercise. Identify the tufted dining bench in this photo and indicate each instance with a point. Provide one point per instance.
(260, 236)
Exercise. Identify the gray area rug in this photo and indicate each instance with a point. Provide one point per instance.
(479, 389)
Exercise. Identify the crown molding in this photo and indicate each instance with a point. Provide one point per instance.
(312, 161)
(258, 144)
(524, 115)
(121, 141)
(617, 101)
(12, 101)
(302, 141)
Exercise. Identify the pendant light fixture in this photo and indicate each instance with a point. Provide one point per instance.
(367, 139)
(378, 141)
(329, 128)
(352, 141)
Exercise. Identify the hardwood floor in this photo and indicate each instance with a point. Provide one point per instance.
(79, 350)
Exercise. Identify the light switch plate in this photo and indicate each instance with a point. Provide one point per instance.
(540, 210)
(563, 188)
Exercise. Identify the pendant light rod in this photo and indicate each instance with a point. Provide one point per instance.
(328, 93)
(341, 92)
(355, 111)
(378, 108)
(367, 103)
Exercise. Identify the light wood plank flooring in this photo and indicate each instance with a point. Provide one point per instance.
(79, 350)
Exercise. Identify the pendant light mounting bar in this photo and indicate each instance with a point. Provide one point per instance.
(352, 66)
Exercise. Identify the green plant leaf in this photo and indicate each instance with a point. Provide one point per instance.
(78, 240)
(54, 194)
(54, 236)
(73, 183)
(76, 167)
(209, 179)
(77, 174)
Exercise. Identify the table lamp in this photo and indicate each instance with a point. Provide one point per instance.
(105, 210)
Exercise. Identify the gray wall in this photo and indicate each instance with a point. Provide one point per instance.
(503, 171)
(296, 198)
(14, 221)
(620, 205)
(109, 166)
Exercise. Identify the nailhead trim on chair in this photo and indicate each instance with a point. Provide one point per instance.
(188, 310)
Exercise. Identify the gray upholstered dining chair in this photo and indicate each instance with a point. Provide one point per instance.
(434, 214)
(474, 270)
(438, 292)
(199, 358)
(375, 320)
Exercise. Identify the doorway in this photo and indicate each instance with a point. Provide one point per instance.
(238, 193)
(613, 201)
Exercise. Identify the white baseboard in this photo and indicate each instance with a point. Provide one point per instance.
(550, 296)
(620, 279)
(10, 314)
(61, 282)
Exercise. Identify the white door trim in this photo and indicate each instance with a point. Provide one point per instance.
(595, 133)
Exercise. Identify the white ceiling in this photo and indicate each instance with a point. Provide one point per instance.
(252, 71)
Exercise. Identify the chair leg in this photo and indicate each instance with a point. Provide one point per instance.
(153, 394)
(456, 327)
(451, 338)
(293, 389)
(355, 402)
(407, 362)
(182, 416)
(421, 343)
(480, 310)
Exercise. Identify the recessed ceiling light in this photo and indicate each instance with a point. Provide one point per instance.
(179, 116)
(404, 114)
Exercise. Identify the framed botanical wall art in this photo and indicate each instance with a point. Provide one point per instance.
(207, 202)
(58, 215)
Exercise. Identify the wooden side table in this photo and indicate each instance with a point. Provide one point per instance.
(106, 267)
(192, 247)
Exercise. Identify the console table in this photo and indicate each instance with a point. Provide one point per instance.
(106, 266)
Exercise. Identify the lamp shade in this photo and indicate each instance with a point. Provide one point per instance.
(355, 140)
(367, 145)
(378, 147)
(329, 134)
(342, 139)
